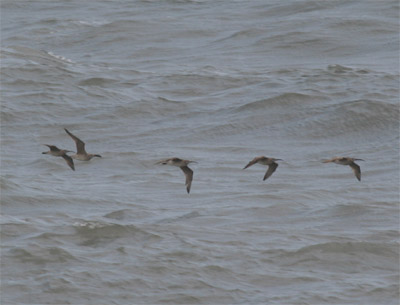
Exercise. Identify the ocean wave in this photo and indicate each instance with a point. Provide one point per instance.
(355, 117)
(340, 256)
(42, 57)
(289, 99)
(96, 233)
(97, 81)
(41, 255)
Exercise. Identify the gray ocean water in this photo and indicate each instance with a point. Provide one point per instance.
(218, 82)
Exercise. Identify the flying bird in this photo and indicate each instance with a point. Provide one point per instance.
(81, 153)
(271, 162)
(182, 164)
(348, 161)
(56, 152)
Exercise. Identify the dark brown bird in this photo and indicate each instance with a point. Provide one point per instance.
(56, 152)
(81, 153)
(348, 161)
(182, 164)
(272, 165)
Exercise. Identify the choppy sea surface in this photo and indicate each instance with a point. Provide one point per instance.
(218, 82)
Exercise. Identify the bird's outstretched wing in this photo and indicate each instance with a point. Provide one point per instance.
(189, 177)
(252, 162)
(271, 170)
(356, 169)
(80, 145)
(69, 161)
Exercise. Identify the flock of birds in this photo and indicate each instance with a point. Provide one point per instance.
(82, 155)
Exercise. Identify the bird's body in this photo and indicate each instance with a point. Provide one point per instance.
(270, 162)
(183, 165)
(56, 152)
(81, 153)
(347, 161)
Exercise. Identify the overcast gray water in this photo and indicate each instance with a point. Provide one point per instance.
(218, 82)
